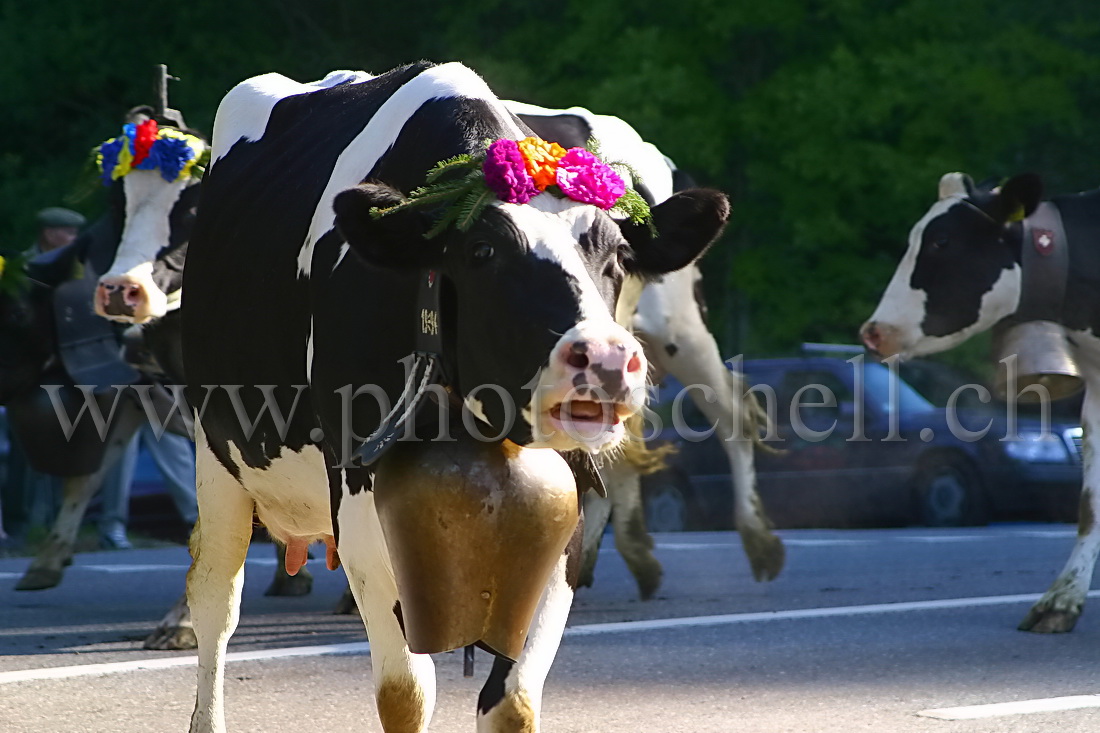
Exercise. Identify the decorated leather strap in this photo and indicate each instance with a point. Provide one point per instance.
(1044, 258)
(424, 367)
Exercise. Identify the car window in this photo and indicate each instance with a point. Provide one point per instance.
(818, 385)
(877, 386)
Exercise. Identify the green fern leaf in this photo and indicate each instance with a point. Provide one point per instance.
(470, 208)
(451, 164)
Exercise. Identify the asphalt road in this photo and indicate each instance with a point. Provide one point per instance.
(864, 630)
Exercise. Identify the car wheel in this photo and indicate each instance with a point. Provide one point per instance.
(666, 508)
(948, 495)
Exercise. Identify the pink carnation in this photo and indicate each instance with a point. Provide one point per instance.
(584, 177)
(506, 173)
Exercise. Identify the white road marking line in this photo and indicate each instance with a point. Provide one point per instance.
(86, 670)
(144, 568)
(802, 613)
(1046, 533)
(118, 569)
(1020, 707)
(804, 542)
(582, 630)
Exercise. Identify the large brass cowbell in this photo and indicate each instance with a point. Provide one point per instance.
(1042, 358)
(474, 531)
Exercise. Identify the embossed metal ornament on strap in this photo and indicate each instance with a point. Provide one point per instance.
(425, 368)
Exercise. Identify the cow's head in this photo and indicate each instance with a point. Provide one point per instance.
(961, 273)
(528, 294)
(154, 171)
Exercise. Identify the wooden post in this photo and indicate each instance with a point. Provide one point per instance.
(162, 89)
(162, 110)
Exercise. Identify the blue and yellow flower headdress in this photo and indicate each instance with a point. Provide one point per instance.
(145, 146)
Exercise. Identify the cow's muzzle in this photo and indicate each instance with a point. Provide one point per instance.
(595, 380)
(881, 339)
(124, 298)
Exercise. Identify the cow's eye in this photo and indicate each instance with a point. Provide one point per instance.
(940, 243)
(481, 252)
(621, 254)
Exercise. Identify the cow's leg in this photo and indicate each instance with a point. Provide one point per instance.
(285, 584)
(628, 520)
(49, 564)
(1060, 607)
(597, 510)
(404, 682)
(218, 548)
(511, 700)
(679, 343)
(175, 630)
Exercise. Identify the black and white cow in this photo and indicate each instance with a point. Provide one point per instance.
(961, 275)
(145, 281)
(290, 281)
(34, 359)
(32, 356)
(666, 315)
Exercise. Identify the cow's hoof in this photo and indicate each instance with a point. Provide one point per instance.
(39, 579)
(291, 585)
(171, 637)
(587, 575)
(648, 576)
(1044, 620)
(346, 606)
(765, 552)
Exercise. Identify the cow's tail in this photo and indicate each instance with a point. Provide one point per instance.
(755, 421)
(642, 458)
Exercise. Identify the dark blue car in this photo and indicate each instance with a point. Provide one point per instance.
(880, 454)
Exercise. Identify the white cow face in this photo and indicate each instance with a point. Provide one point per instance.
(145, 278)
(961, 272)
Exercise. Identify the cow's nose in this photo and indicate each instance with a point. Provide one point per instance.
(611, 365)
(871, 336)
(119, 296)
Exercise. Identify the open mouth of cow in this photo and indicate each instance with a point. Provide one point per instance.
(588, 418)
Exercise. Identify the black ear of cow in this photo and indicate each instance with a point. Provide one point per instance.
(686, 223)
(1019, 196)
(394, 240)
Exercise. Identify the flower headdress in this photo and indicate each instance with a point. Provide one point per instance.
(515, 171)
(145, 146)
(13, 273)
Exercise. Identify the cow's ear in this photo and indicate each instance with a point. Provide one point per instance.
(394, 240)
(686, 223)
(1017, 198)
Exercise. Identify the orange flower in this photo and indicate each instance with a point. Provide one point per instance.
(542, 159)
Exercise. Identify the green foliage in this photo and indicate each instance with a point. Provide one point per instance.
(829, 124)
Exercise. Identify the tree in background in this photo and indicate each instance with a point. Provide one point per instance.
(829, 123)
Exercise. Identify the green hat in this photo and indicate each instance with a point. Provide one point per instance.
(55, 216)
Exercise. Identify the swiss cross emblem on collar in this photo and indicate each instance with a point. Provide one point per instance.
(1043, 240)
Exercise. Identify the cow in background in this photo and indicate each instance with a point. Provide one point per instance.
(308, 285)
(149, 217)
(51, 340)
(962, 274)
(667, 316)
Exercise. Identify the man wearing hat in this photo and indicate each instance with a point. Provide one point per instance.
(57, 227)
